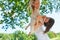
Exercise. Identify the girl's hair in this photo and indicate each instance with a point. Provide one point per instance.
(32, 2)
(49, 24)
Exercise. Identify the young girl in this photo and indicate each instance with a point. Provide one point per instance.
(35, 4)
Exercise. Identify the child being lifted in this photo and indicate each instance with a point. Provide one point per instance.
(36, 18)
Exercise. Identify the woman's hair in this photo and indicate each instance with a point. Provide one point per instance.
(49, 24)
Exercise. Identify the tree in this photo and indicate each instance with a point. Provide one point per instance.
(15, 12)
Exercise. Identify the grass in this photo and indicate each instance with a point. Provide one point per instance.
(57, 38)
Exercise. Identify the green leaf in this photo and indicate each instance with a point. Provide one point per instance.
(1, 21)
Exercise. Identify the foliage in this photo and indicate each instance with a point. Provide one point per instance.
(52, 34)
(18, 35)
(58, 34)
(13, 13)
(16, 12)
(57, 37)
(47, 6)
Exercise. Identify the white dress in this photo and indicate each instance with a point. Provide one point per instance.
(40, 35)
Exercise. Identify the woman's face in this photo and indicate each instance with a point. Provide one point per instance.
(46, 19)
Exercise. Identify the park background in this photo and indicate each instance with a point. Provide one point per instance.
(15, 16)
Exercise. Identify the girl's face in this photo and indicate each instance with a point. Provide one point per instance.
(36, 4)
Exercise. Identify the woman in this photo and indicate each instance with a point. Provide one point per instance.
(40, 33)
